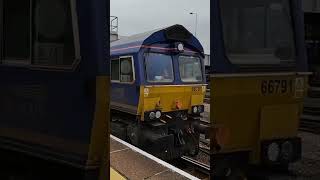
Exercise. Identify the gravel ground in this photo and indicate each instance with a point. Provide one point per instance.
(309, 166)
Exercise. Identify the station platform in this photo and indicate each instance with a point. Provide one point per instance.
(115, 175)
(129, 162)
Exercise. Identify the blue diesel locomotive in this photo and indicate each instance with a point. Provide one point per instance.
(158, 88)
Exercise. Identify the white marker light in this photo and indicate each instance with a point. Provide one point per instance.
(158, 114)
(180, 47)
(195, 109)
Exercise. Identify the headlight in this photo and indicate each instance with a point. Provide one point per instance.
(287, 150)
(273, 152)
(152, 115)
(158, 114)
(281, 150)
(195, 109)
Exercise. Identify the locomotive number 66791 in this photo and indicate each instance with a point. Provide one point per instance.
(277, 86)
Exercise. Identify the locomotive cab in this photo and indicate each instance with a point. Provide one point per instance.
(163, 93)
(164, 73)
(258, 84)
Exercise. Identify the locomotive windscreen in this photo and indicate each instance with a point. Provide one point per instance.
(258, 32)
(178, 33)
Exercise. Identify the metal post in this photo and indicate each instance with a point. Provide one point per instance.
(196, 26)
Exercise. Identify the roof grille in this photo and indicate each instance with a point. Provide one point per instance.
(178, 33)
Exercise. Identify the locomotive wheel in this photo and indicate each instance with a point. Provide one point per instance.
(133, 134)
(193, 145)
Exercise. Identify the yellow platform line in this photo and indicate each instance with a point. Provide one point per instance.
(114, 175)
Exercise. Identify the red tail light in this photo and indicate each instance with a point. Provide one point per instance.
(178, 105)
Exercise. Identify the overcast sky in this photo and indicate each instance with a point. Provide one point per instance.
(137, 16)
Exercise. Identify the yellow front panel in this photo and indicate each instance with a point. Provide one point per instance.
(197, 99)
(245, 107)
(167, 97)
(150, 103)
(282, 119)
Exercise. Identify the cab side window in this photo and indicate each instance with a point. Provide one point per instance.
(126, 70)
(122, 70)
(53, 39)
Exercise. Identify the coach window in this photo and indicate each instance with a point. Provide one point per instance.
(16, 31)
(126, 70)
(115, 70)
(39, 32)
(53, 33)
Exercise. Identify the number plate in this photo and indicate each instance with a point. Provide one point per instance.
(272, 87)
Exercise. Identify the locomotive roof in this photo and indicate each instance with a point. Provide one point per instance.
(134, 43)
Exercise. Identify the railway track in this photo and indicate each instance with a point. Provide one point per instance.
(310, 120)
(207, 100)
(207, 96)
(204, 122)
(205, 150)
(196, 165)
(204, 142)
(310, 123)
